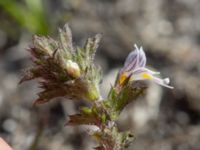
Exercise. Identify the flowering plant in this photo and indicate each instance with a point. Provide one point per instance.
(64, 70)
(134, 69)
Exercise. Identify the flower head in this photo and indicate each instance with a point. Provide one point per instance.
(135, 69)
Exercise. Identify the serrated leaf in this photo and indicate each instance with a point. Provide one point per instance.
(82, 119)
(45, 45)
(118, 99)
(27, 75)
(128, 94)
(111, 139)
(87, 116)
(91, 46)
(66, 41)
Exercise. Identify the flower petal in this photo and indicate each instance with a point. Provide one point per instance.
(141, 76)
(163, 82)
(139, 70)
(142, 57)
(135, 59)
(132, 60)
(134, 67)
(145, 75)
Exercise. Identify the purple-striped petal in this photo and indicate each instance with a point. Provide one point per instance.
(135, 59)
(163, 82)
(132, 60)
(142, 58)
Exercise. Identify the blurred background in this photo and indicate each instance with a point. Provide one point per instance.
(169, 31)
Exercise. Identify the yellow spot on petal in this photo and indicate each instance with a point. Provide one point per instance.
(131, 78)
(122, 78)
(146, 76)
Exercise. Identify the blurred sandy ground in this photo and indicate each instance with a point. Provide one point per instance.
(169, 31)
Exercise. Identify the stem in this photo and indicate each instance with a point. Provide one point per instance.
(38, 135)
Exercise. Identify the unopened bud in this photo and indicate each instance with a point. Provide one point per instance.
(73, 69)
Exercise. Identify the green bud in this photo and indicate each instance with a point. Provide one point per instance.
(93, 93)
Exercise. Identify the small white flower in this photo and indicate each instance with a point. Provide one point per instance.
(134, 68)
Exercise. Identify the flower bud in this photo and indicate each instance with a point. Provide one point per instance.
(72, 69)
